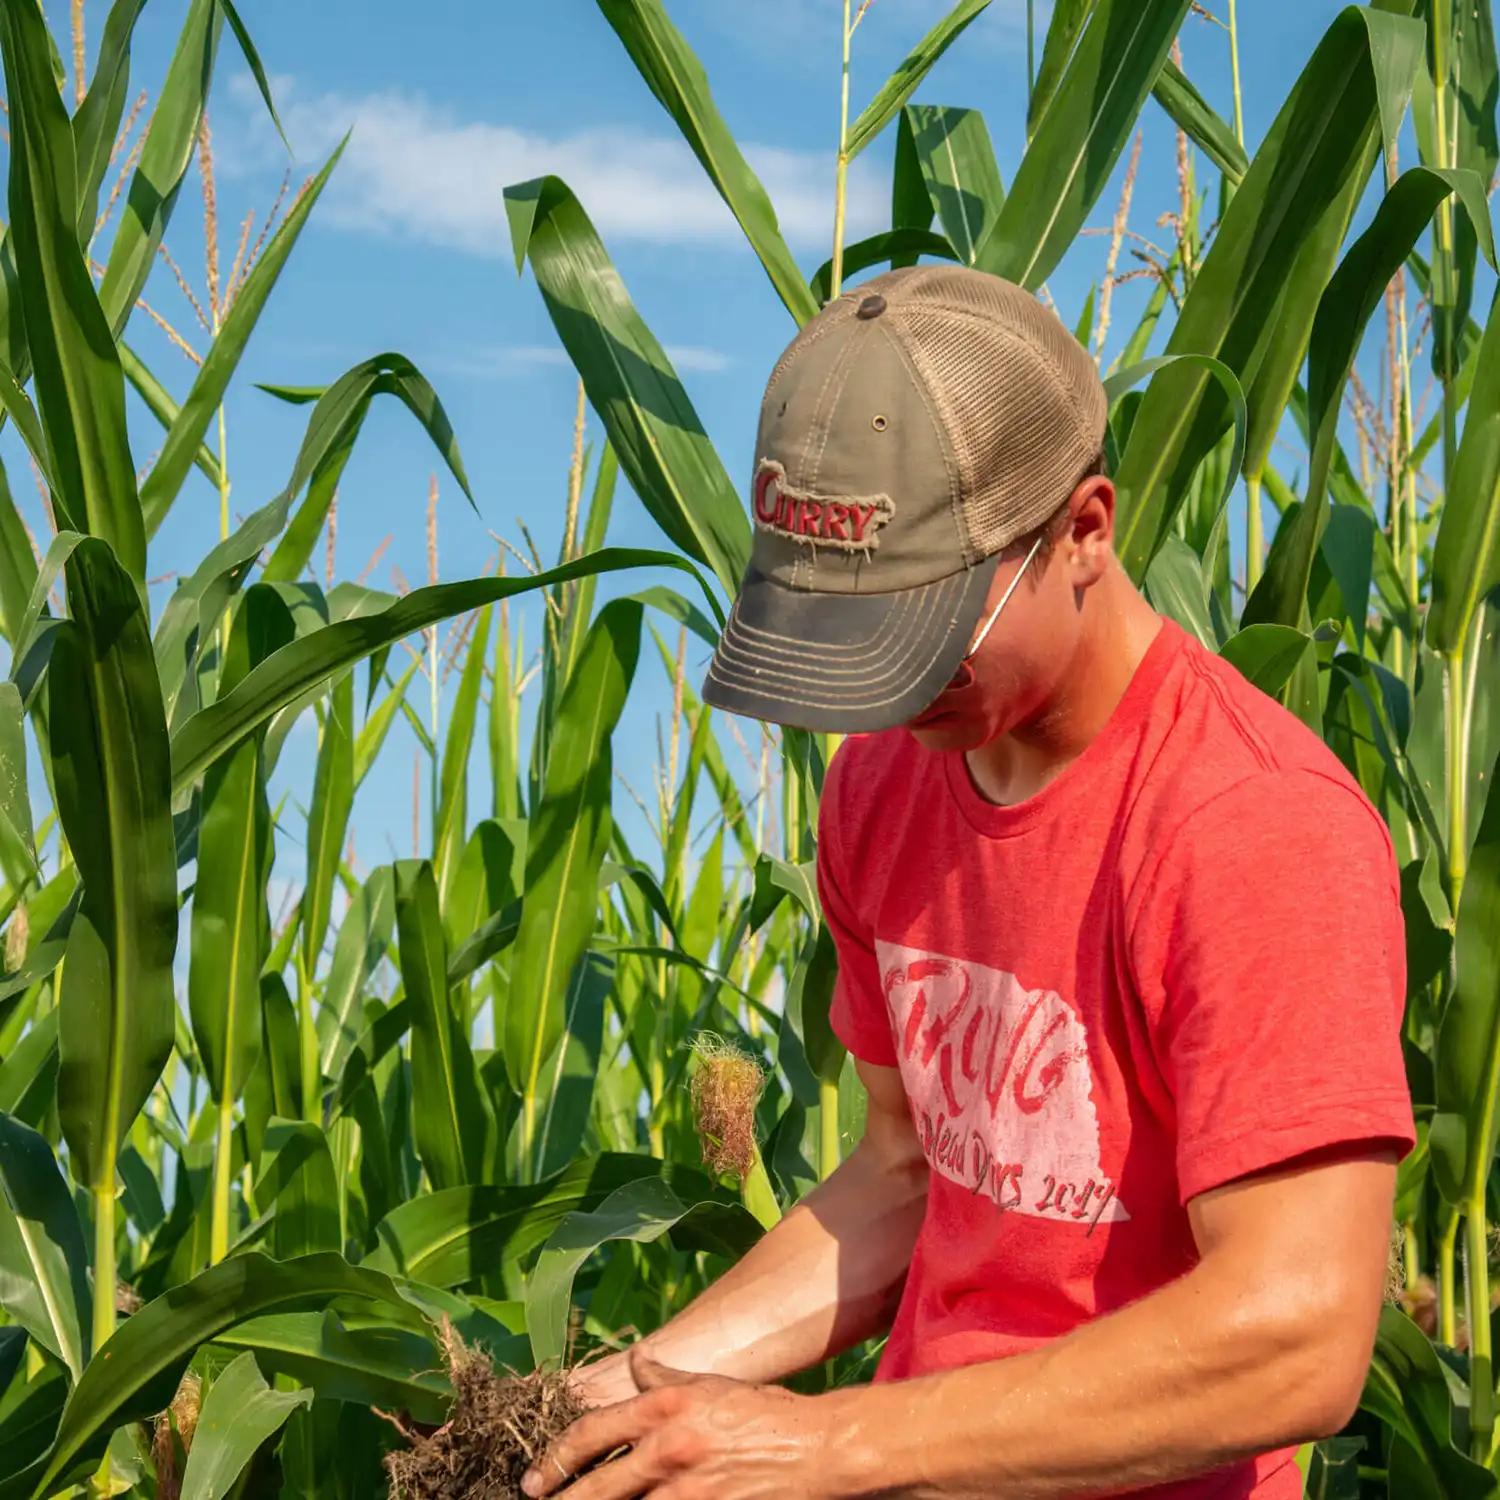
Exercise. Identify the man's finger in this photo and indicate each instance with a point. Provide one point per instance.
(622, 1478)
(592, 1436)
(650, 1373)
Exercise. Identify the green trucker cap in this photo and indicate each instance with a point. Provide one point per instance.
(910, 432)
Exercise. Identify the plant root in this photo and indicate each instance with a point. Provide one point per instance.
(499, 1425)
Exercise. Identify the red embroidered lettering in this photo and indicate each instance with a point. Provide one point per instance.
(848, 522)
(859, 518)
(767, 497)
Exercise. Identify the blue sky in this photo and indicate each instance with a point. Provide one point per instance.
(451, 101)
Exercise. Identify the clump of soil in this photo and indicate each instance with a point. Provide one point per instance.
(498, 1426)
(726, 1087)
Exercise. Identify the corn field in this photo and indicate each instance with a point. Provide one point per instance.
(254, 1160)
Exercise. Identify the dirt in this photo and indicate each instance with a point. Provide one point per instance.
(498, 1426)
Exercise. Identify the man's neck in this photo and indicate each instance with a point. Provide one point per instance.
(1119, 627)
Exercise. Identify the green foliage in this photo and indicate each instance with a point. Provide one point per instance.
(455, 1086)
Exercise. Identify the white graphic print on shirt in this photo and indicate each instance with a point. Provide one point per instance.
(1000, 1087)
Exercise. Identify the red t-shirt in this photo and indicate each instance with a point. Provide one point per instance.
(1181, 962)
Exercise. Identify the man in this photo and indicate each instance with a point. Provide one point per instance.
(1121, 966)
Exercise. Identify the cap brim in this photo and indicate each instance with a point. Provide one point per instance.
(844, 663)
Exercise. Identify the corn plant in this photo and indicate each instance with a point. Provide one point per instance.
(252, 1160)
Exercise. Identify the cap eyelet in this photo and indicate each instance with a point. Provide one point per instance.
(878, 422)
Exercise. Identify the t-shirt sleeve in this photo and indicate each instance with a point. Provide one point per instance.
(859, 1015)
(1270, 957)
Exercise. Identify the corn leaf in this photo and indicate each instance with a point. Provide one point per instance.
(44, 1283)
(673, 73)
(158, 401)
(907, 78)
(1069, 17)
(900, 247)
(1266, 655)
(257, 68)
(1252, 301)
(446, 1239)
(493, 936)
(567, 839)
(386, 1367)
(335, 423)
(569, 1073)
(29, 1414)
(239, 1413)
(1176, 586)
(152, 1348)
(911, 207)
(185, 435)
(1407, 1388)
(377, 725)
(661, 445)
(313, 658)
(1193, 113)
(111, 775)
(454, 1123)
(1080, 136)
(167, 150)
(230, 927)
(79, 387)
(17, 844)
(453, 776)
(363, 937)
(328, 817)
(1344, 309)
(642, 1211)
(296, 1183)
(18, 565)
(1466, 555)
(1468, 1051)
(486, 883)
(97, 119)
(960, 174)
(192, 614)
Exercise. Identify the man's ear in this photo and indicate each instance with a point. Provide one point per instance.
(1091, 529)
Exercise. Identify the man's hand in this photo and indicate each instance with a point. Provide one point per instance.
(691, 1437)
(603, 1382)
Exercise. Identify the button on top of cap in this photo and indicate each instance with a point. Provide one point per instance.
(871, 307)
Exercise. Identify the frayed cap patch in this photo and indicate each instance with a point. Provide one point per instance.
(851, 523)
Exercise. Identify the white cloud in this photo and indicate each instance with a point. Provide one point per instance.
(415, 170)
(701, 361)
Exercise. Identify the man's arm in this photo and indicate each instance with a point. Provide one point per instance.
(826, 1277)
(1264, 1343)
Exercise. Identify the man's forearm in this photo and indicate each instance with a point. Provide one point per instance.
(1195, 1376)
(826, 1277)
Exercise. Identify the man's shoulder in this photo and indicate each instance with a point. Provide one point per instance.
(1229, 747)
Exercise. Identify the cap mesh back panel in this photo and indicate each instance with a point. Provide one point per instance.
(1020, 398)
